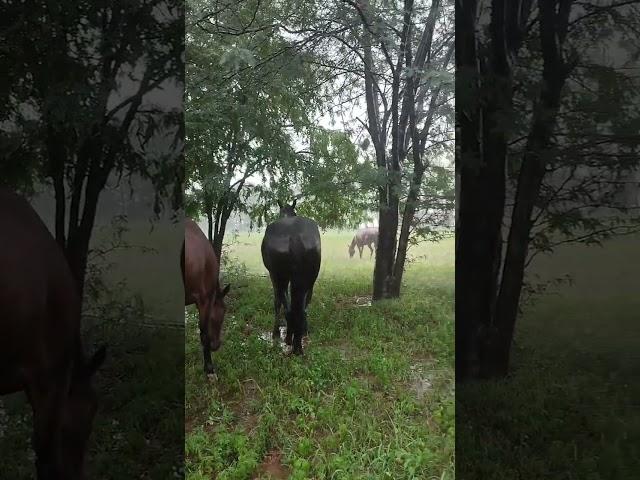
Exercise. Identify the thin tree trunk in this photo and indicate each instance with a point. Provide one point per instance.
(379, 143)
(385, 253)
(403, 240)
(220, 229)
(209, 223)
(530, 179)
(471, 306)
(80, 234)
(57, 159)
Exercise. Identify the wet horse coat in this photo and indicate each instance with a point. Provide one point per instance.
(40, 345)
(291, 253)
(200, 276)
(365, 236)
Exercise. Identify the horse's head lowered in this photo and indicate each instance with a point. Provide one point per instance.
(79, 410)
(215, 317)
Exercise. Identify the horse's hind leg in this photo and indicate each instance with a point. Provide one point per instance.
(279, 300)
(297, 320)
(305, 325)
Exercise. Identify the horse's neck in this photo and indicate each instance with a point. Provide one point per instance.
(354, 241)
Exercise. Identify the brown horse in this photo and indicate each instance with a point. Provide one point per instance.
(365, 236)
(200, 276)
(291, 253)
(40, 346)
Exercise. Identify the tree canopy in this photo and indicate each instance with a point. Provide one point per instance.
(334, 103)
(92, 95)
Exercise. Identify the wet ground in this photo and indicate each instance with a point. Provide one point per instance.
(272, 466)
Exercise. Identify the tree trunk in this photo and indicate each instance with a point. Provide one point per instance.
(485, 320)
(530, 179)
(218, 234)
(403, 239)
(57, 158)
(471, 298)
(209, 224)
(482, 187)
(385, 253)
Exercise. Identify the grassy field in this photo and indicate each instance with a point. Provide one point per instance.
(569, 410)
(372, 398)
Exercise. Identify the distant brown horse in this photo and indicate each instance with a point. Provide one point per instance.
(200, 276)
(40, 346)
(365, 236)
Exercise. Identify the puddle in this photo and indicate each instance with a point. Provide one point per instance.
(363, 301)
(420, 384)
(272, 467)
(266, 337)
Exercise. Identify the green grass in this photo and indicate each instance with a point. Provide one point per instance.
(569, 408)
(371, 398)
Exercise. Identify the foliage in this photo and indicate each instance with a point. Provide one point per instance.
(592, 157)
(545, 152)
(251, 98)
(433, 84)
(75, 77)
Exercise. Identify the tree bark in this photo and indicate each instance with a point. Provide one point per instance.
(209, 209)
(379, 143)
(487, 303)
(530, 178)
(403, 239)
(471, 305)
(57, 159)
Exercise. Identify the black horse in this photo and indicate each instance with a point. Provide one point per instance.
(291, 254)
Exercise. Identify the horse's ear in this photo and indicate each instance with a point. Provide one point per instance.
(225, 290)
(293, 205)
(96, 360)
(280, 204)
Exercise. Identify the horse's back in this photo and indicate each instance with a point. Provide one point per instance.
(292, 245)
(366, 235)
(39, 302)
(201, 266)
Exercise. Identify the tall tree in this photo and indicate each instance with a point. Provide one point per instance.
(537, 168)
(404, 103)
(81, 106)
(392, 90)
(251, 122)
